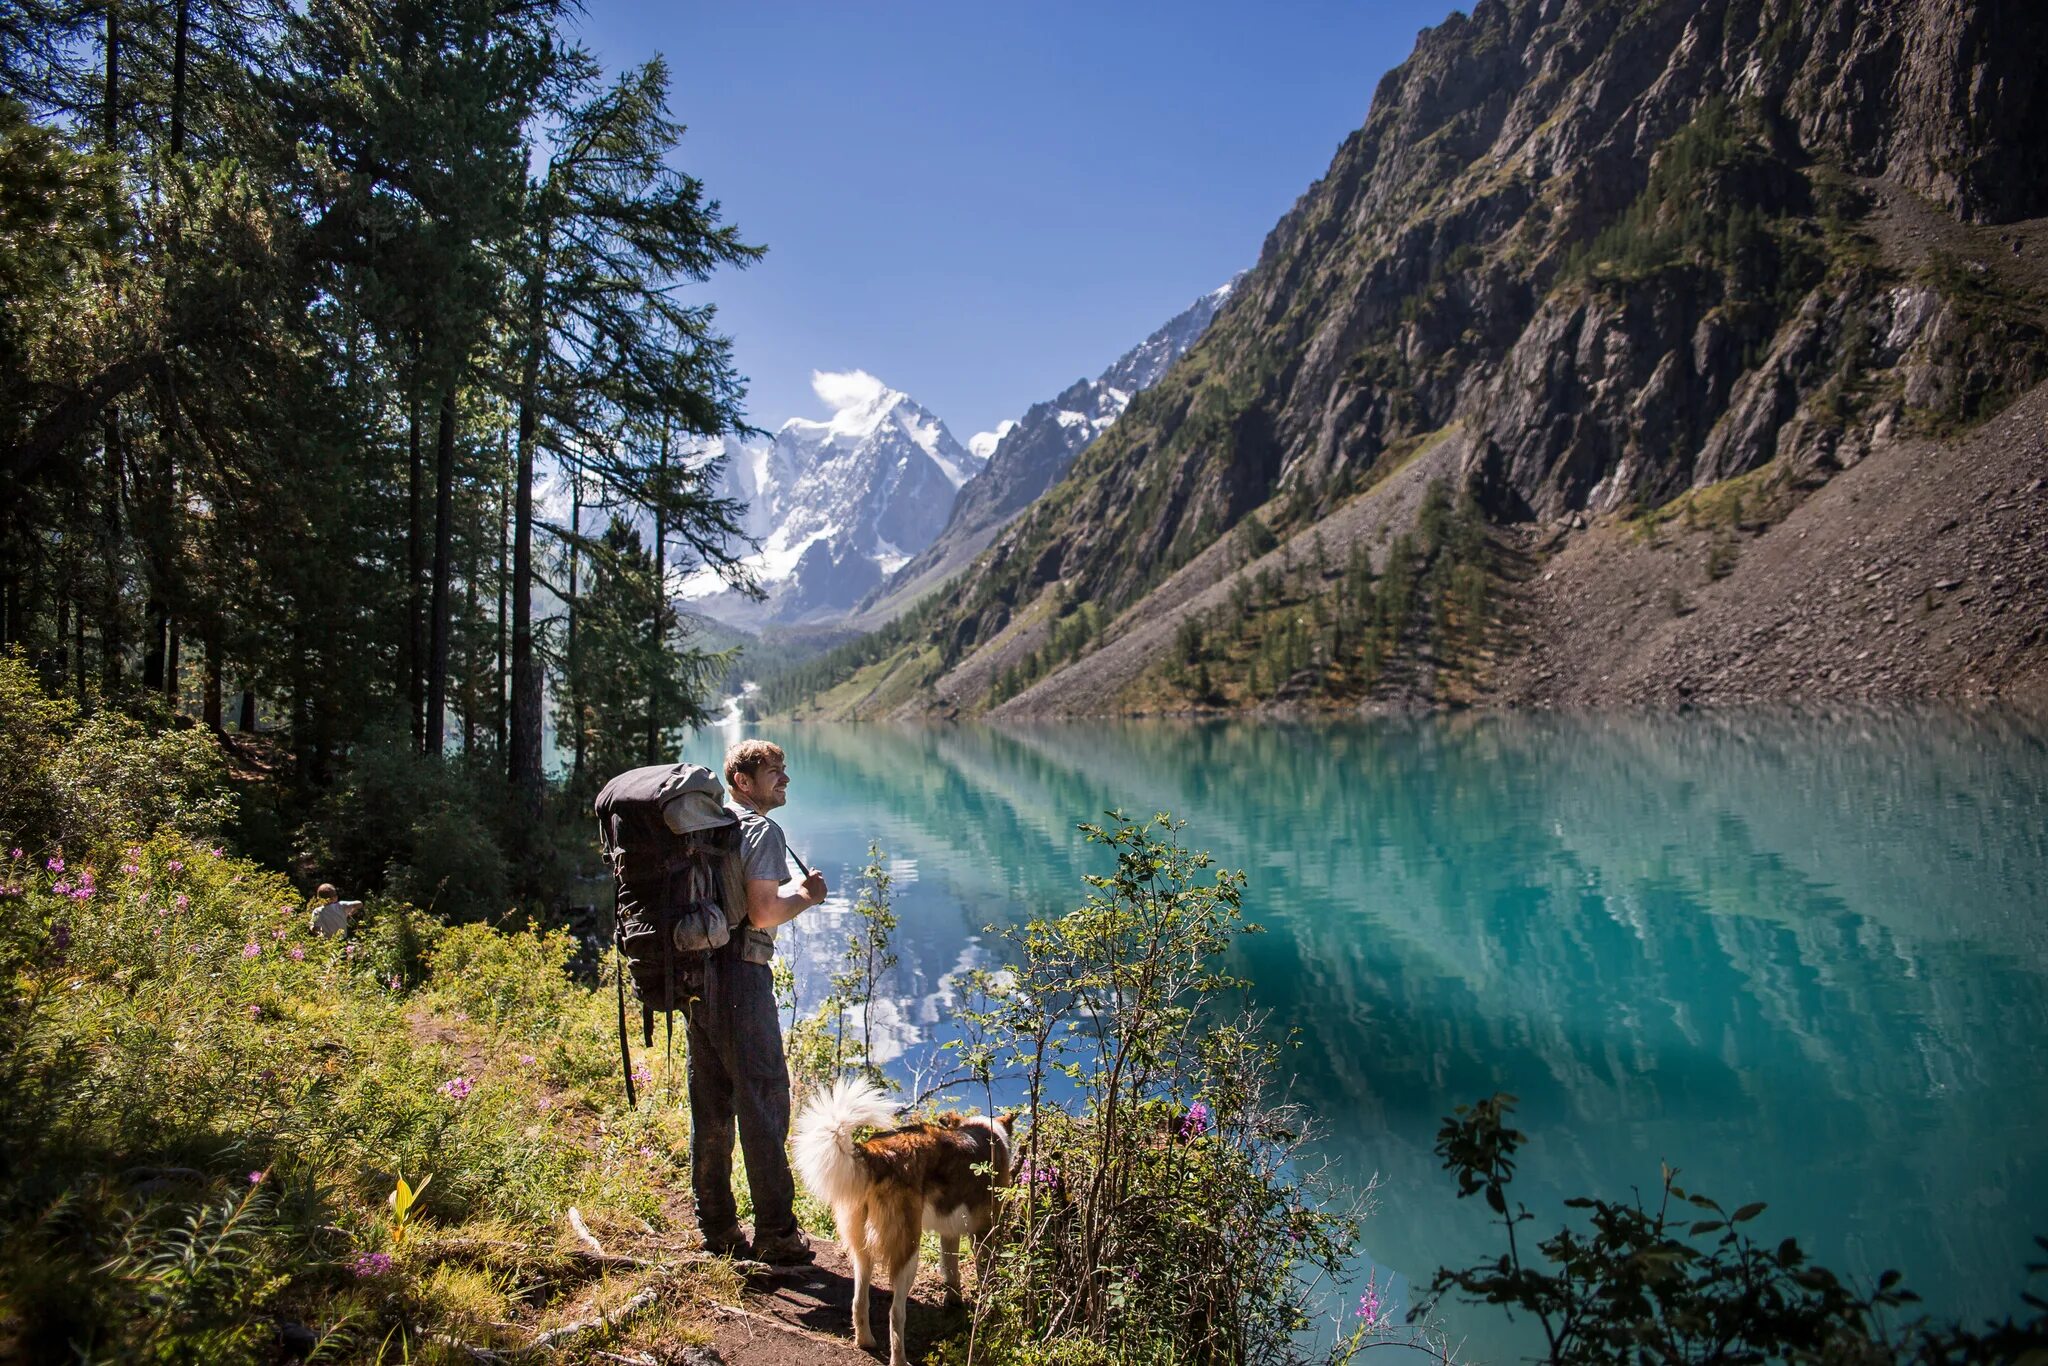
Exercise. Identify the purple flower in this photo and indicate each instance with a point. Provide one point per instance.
(372, 1264)
(647, 1153)
(15, 852)
(181, 901)
(277, 933)
(393, 982)
(175, 866)
(55, 865)
(256, 1178)
(544, 1103)
(60, 889)
(526, 1059)
(457, 1088)
(298, 954)
(131, 869)
(1196, 1122)
(252, 949)
(83, 893)
(348, 951)
(255, 1011)
(642, 1075)
(217, 851)
(1369, 1302)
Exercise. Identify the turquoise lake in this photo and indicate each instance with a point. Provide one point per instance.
(1801, 957)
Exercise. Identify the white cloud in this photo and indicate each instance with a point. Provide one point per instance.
(984, 444)
(843, 389)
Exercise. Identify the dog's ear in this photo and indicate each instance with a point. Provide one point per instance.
(1008, 1119)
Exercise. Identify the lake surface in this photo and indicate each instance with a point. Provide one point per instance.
(1802, 958)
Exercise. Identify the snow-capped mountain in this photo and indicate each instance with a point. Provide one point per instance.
(1027, 456)
(838, 505)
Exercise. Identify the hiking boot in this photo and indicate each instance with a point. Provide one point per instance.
(788, 1249)
(731, 1242)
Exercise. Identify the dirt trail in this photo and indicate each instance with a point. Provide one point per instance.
(780, 1316)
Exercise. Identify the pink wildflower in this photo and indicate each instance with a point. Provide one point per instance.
(83, 893)
(372, 1264)
(181, 901)
(526, 1059)
(15, 852)
(55, 865)
(298, 954)
(217, 851)
(175, 866)
(457, 1088)
(256, 1178)
(278, 933)
(393, 983)
(255, 1011)
(642, 1075)
(252, 949)
(131, 869)
(544, 1103)
(348, 951)
(61, 889)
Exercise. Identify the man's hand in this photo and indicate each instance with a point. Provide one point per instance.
(814, 887)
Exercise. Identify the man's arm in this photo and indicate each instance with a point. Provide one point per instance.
(771, 903)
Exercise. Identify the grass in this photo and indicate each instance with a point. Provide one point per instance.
(209, 1106)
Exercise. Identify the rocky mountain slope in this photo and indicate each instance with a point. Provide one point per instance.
(840, 504)
(1034, 451)
(1588, 262)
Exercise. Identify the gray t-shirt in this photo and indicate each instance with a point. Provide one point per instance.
(764, 851)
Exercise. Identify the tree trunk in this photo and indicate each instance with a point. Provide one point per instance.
(415, 567)
(179, 45)
(245, 715)
(499, 703)
(523, 754)
(171, 663)
(468, 697)
(444, 533)
(110, 515)
(575, 661)
(153, 644)
(655, 699)
(210, 694)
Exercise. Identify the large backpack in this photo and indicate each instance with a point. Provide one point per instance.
(679, 896)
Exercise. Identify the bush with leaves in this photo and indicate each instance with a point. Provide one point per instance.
(1634, 1286)
(74, 782)
(1168, 1215)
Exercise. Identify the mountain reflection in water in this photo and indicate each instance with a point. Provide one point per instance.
(1800, 957)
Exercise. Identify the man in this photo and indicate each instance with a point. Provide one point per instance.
(736, 1066)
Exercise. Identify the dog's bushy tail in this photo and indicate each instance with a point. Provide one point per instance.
(823, 1145)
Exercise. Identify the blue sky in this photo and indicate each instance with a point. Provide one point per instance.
(979, 204)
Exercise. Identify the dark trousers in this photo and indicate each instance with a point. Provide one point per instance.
(737, 1074)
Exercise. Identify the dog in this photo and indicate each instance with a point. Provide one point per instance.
(886, 1188)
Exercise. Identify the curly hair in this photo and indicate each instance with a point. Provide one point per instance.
(747, 756)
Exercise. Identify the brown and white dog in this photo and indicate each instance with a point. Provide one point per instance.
(886, 1188)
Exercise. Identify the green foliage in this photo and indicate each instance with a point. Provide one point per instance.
(863, 965)
(1634, 1285)
(1164, 1218)
(209, 1105)
(433, 832)
(67, 782)
(630, 689)
(1707, 204)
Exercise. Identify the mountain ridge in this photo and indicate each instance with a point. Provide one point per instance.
(1622, 252)
(1035, 451)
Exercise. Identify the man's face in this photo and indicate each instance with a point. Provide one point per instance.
(766, 788)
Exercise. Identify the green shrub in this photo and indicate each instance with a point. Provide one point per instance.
(79, 784)
(1635, 1286)
(1163, 1218)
